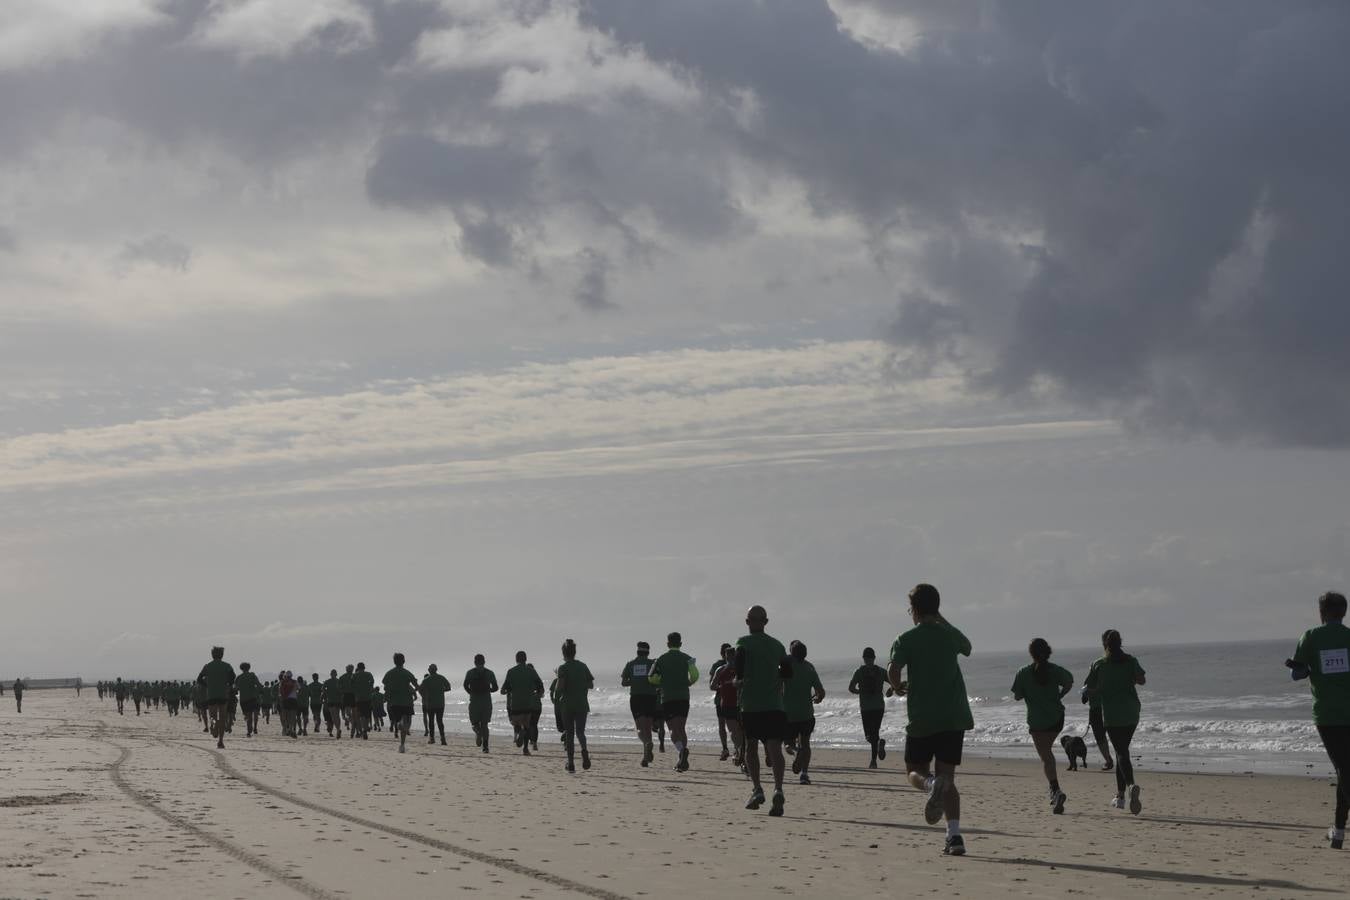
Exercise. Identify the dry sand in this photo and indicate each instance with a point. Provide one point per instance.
(97, 805)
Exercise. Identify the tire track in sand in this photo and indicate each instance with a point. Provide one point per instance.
(497, 862)
(234, 851)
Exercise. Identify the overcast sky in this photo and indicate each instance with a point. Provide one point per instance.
(339, 327)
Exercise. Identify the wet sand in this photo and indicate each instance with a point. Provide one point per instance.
(93, 804)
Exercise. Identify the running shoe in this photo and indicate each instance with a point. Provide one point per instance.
(570, 767)
(726, 754)
(776, 808)
(796, 767)
(585, 760)
(804, 779)
(402, 749)
(1108, 766)
(1337, 838)
(1135, 805)
(1057, 802)
(881, 749)
(932, 810)
(756, 799)
(1118, 802)
(683, 764)
(955, 846)
(872, 764)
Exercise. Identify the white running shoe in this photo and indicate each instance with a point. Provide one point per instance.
(1337, 837)
(1118, 802)
(932, 810)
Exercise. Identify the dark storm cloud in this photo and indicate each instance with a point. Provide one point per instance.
(1169, 178)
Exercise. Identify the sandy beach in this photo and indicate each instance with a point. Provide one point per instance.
(99, 805)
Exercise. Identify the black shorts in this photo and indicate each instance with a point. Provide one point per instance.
(290, 704)
(248, 706)
(363, 707)
(675, 709)
(315, 706)
(728, 714)
(348, 699)
(643, 706)
(945, 747)
(764, 725)
(398, 712)
(802, 729)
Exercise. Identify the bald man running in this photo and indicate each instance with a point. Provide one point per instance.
(762, 664)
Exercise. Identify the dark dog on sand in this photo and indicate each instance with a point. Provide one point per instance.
(1076, 749)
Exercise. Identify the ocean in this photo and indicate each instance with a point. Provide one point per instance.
(1221, 707)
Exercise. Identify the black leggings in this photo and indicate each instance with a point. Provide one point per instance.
(1098, 730)
(871, 719)
(435, 719)
(1336, 738)
(576, 728)
(534, 725)
(1120, 739)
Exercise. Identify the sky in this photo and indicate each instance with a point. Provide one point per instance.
(452, 326)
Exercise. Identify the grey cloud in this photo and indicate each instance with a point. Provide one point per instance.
(156, 250)
(592, 290)
(1123, 149)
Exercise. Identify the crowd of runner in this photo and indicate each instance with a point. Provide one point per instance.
(764, 694)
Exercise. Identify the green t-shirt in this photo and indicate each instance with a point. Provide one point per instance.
(1045, 708)
(376, 697)
(1114, 683)
(302, 693)
(936, 701)
(870, 680)
(433, 689)
(574, 683)
(345, 682)
(635, 676)
(315, 693)
(1325, 650)
(480, 681)
(400, 686)
(217, 675)
(674, 671)
(799, 690)
(761, 685)
(332, 692)
(522, 687)
(363, 683)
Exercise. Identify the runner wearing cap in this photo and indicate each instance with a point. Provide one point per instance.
(641, 697)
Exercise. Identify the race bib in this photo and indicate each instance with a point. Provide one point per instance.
(1335, 662)
(641, 671)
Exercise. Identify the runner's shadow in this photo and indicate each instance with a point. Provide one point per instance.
(1234, 823)
(1157, 874)
(908, 826)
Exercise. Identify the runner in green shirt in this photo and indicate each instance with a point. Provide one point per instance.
(937, 705)
(762, 665)
(348, 700)
(433, 689)
(216, 677)
(249, 687)
(400, 686)
(642, 697)
(376, 708)
(480, 683)
(363, 685)
(1113, 679)
(801, 693)
(1043, 686)
(1323, 655)
(673, 672)
(332, 703)
(523, 689)
(869, 683)
(574, 683)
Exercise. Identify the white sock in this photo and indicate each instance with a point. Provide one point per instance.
(953, 827)
(1338, 833)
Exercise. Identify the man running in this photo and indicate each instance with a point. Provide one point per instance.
(762, 664)
(673, 672)
(642, 696)
(288, 693)
(249, 688)
(523, 689)
(480, 683)
(332, 702)
(120, 694)
(18, 696)
(801, 693)
(315, 700)
(574, 683)
(348, 700)
(400, 686)
(1323, 656)
(869, 683)
(217, 677)
(717, 698)
(432, 689)
(938, 708)
(363, 684)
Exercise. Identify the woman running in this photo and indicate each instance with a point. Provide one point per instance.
(1113, 678)
(1043, 686)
